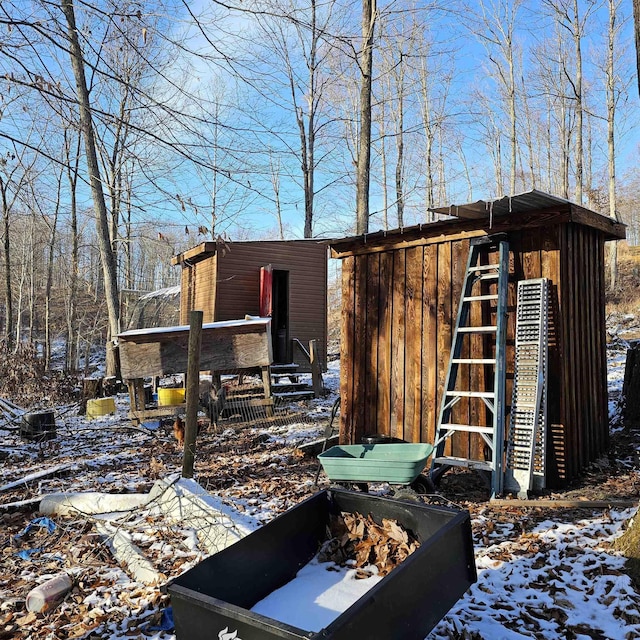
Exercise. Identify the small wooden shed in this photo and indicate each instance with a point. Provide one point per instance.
(400, 295)
(286, 280)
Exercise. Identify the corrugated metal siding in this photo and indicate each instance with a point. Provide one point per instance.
(399, 309)
(227, 287)
(238, 282)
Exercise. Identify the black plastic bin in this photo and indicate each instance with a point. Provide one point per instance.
(215, 597)
(38, 426)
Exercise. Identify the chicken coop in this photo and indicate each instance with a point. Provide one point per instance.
(284, 280)
(401, 291)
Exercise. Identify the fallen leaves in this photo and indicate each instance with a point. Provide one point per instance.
(359, 541)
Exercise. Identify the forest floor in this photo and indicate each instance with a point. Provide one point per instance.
(542, 572)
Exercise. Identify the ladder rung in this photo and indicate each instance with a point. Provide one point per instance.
(484, 267)
(471, 394)
(473, 360)
(488, 276)
(488, 296)
(464, 462)
(470, 428)
(492, 329)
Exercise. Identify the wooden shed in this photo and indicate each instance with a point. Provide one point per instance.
(401, 291)
(286, 280)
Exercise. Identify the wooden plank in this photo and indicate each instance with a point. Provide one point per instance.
(583, 426)
(588, 348)
(531, 261)
(371, 367)
(444, 322)
(20, 503)
(361, 347)
(449, 230)
(316, 369)
(225, 345)
(198, 252)
(445, 231)
(610, 227)
(413, 338)
(136, 394)
(347, 331)
(59, 468)
(574, 444)
(563, 504)
(385, 308)
(603, 418)
(550, 268)
(398, 337)
(429, 344)
(599, 427)
(266, 385)
(161, 412)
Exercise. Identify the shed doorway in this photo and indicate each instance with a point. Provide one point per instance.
(280, 317)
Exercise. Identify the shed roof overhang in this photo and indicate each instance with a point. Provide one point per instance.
(206, 249)
(511, 213)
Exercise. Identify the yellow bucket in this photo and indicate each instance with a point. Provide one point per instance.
(168, 397)
(100, 407)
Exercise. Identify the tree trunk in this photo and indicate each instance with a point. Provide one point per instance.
(363, 167)
(72, 350)
(49, 281)
(400, 146)
(102, 219)
(579, 108)
(512, 118)
(611, 141)
(8, 296)
(636, 22)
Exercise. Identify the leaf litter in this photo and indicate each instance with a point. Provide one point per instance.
(543, 573)
(357, 540)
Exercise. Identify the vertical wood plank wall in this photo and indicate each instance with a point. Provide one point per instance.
(198, 289)
(399, 310)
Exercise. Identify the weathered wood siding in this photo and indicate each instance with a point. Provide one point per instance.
(399, 310)
(227, 287)
(198, 289)
(225, 346)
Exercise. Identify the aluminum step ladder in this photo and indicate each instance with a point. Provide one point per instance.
(525, 460)
(493, 398)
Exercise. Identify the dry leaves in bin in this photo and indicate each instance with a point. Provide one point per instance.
(357, 540)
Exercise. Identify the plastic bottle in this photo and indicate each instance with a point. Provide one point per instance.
(49, 594)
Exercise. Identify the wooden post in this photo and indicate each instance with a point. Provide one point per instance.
(266, 383)
(316, 369)
(193, 382)
(136, 394)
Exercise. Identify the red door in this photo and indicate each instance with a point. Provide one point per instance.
(266, 288)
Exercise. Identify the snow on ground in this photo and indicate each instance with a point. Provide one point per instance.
(550, 574)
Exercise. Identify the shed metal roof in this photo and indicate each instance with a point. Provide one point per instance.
(530, 209)
(518, 203)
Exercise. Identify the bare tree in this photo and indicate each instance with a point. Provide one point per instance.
(109, 265)
(613, 91)
(568, 15)
(493, 22)
(636, 28)
(363, 164)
